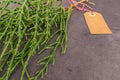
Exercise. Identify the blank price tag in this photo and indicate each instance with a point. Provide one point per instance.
(96, 23)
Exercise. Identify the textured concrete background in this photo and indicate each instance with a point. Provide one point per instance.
(88, 57)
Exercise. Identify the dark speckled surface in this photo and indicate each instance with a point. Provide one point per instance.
(88, 57)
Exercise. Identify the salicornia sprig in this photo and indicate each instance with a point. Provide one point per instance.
(31, 28)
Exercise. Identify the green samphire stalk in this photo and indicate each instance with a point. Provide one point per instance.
(29, 29)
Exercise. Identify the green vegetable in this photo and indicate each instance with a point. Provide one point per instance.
(30, 29)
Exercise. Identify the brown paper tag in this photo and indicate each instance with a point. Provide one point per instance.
(96, 23)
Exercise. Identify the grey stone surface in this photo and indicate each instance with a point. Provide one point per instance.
(88, 57)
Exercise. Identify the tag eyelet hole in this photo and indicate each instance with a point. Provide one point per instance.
(92, 14)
